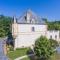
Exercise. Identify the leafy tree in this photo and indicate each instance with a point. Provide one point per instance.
(54, 25)
(5, 25)
(44, 48)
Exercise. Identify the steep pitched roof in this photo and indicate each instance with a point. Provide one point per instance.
(30, 17)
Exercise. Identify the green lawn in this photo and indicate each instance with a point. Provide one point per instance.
(17, 53)
(56, 57)
(23, 51)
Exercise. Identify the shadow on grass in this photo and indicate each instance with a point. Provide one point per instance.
(33, 57)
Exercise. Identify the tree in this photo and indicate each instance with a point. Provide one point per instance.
(54, 25)
(43, 48)
(5, 25)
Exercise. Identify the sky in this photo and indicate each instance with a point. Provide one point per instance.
(49, 9)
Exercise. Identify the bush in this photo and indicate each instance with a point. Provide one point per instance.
(44, 48)
(54, 43)
(11, 48)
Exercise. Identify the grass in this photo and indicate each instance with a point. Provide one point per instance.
(17, 53)
(56, 57)
(23, 51)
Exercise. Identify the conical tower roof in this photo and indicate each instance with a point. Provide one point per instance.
(14, 19)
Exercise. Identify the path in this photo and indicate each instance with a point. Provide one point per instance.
(19, 58)
(2, 55)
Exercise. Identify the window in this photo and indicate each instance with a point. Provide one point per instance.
(33, 29)
(55, 36)
(50, 36)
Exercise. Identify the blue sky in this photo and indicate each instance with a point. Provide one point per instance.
(44, 8)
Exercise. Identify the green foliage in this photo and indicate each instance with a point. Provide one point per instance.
(54, 43)
(54, 25)
(17, 53)
(44, 48)
(11, 48)
(5, 25)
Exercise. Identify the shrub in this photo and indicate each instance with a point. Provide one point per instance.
(44, 48)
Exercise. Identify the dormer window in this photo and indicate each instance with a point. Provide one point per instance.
(33, 29)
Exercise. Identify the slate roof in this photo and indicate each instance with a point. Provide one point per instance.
(33, 19)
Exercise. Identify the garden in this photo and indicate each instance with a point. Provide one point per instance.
(44, 49)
